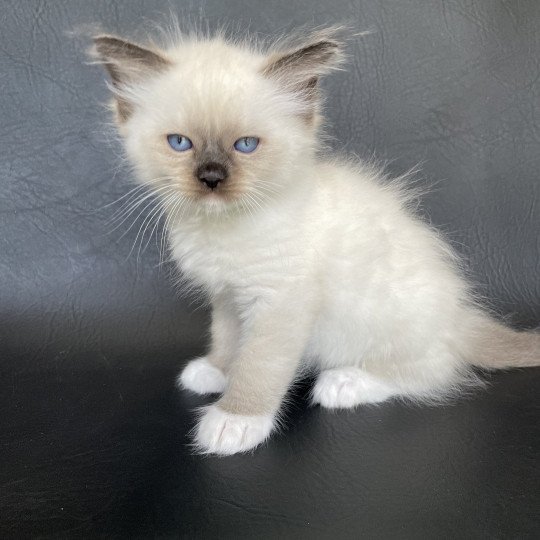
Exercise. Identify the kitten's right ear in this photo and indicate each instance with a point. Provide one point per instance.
(127, 64)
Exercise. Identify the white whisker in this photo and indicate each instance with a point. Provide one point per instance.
(153, 201)
(157, 220)
(172, 214)
(133, 207)
(144, 226)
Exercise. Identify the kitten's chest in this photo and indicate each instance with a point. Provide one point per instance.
(239, 260)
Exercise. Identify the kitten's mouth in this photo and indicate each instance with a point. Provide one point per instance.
(216, 191)
(214, 196)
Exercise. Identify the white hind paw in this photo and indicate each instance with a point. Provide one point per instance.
(202, 377)
(224, 433)
(343, 388)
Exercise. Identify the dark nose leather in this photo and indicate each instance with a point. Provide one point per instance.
(212, 174)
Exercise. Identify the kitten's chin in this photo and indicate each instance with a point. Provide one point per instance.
(214, 203)
(226, 203)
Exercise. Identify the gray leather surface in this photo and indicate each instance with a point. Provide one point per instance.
(91, 336)
(453, 85)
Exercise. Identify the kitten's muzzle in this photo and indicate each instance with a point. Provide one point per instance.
(212, 174)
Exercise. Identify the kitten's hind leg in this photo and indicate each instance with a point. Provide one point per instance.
(347, 387)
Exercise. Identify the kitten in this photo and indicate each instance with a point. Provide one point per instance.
(308, 261)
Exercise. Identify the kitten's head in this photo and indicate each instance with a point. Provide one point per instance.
(218, 123)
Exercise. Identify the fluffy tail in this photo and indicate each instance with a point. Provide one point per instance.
(496, 346)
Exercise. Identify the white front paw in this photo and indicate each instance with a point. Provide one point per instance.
(202, 377)
(224, 433)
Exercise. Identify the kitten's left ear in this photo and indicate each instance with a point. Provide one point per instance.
(298, 69)
(127, 64)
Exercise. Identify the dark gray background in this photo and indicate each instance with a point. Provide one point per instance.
(451, 85)
(90, 338)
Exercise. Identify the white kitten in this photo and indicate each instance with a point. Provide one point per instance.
(307, 261)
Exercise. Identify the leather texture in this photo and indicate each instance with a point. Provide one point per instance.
(93, 432)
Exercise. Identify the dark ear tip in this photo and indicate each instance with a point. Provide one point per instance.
(101, 45)
(104, 41)
(332, 45)
(329, 43)
(100, 38)
(118, 49)
(336, 35)
(106, 38)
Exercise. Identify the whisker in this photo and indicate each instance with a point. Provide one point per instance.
(134, 205)
(172, 214)
(144, 226)
(156, 224)
(249, 205)
(266, 189)
(131, 193)
(152, 201)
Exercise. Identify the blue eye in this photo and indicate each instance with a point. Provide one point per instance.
(246, 145)
(179, 142)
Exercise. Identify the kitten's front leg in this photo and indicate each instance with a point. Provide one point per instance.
(258, 379)
(207, 375)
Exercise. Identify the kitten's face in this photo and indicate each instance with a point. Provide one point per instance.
(213, 98)
(215, 124)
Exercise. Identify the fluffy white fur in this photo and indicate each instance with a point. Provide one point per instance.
(308, 261)
(224, 433)
(343, 388)
(202, 377)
